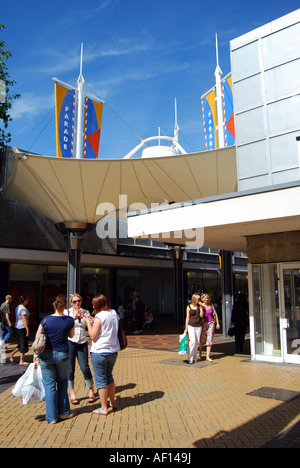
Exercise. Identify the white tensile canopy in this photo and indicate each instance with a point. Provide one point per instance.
(72, 189)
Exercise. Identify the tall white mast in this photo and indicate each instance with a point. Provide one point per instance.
(80, 83)
(176, 128)
(219, 101)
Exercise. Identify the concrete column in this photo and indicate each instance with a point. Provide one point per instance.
(75, 234)
(177, 253)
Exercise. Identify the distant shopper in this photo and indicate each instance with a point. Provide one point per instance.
(103, 331)
(240, 320)
(209, 321)
(121, 314)
(139, 311)
(194, 314)
(5, 319)
(78, 348)
(54, 361)
(148, 319)
(22, 330)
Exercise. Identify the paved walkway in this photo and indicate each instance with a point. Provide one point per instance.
(164, 403)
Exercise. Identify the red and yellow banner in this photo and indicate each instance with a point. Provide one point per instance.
(92, 128)
(228, 111)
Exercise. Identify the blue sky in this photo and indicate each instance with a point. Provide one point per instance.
(138, 56)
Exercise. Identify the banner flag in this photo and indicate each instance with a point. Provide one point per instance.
(209, 114)
(92, 128)
(228, 111)
(64, 121)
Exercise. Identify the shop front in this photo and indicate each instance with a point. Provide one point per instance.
(274, 299)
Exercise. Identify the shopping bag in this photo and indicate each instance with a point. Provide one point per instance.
(183, 344)
(2, 351)
(30, 386)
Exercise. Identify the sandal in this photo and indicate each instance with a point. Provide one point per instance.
(98, 411)
(74, 401)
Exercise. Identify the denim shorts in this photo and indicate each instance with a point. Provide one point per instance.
(102, 366)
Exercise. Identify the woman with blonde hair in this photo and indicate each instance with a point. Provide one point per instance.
(78, 348)
(194, 314)
(208, 325)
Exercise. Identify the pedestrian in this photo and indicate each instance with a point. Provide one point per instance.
(22, 330)
(54, 361)
(209, 321)
(78, 348)
(103, 331)
(194, 314)
(121, 314)
(139, 308)
(240, 320)
(6, 324)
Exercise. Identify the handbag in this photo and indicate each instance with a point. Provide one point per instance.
(122, 337)
(30, 386)
(39, 343)
(231, 331)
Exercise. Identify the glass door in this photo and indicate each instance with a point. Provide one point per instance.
(290, 312)
(265, 318)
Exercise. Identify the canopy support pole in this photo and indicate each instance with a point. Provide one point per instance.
(177, 253)
(75, 234)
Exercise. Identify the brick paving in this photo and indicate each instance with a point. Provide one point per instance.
(166, 403)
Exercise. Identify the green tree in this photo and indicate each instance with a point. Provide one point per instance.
(6, 97)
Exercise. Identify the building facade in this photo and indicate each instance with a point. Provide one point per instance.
(262, 218)
(34, 262)
(266, 75)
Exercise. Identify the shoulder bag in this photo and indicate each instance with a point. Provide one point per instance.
(39, 343)
(122, 337)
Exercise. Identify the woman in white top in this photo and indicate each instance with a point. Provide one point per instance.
(78, 348)
(105, 346)
(22, 330)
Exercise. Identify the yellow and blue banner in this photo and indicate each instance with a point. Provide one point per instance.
(209, 115)
(92, 128)
(64, 117)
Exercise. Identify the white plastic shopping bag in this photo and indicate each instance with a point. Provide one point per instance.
(2, 351)
(183, 344)
(30, 386)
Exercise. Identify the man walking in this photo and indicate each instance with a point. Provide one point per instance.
(6, 325)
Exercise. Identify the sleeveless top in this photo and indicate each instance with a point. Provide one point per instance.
(208, 315)
(195, 319)
(107, 341)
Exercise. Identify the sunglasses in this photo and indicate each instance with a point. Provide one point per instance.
(78, 300)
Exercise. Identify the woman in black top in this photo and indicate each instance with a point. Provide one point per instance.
(194, 313)
(54, 361)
